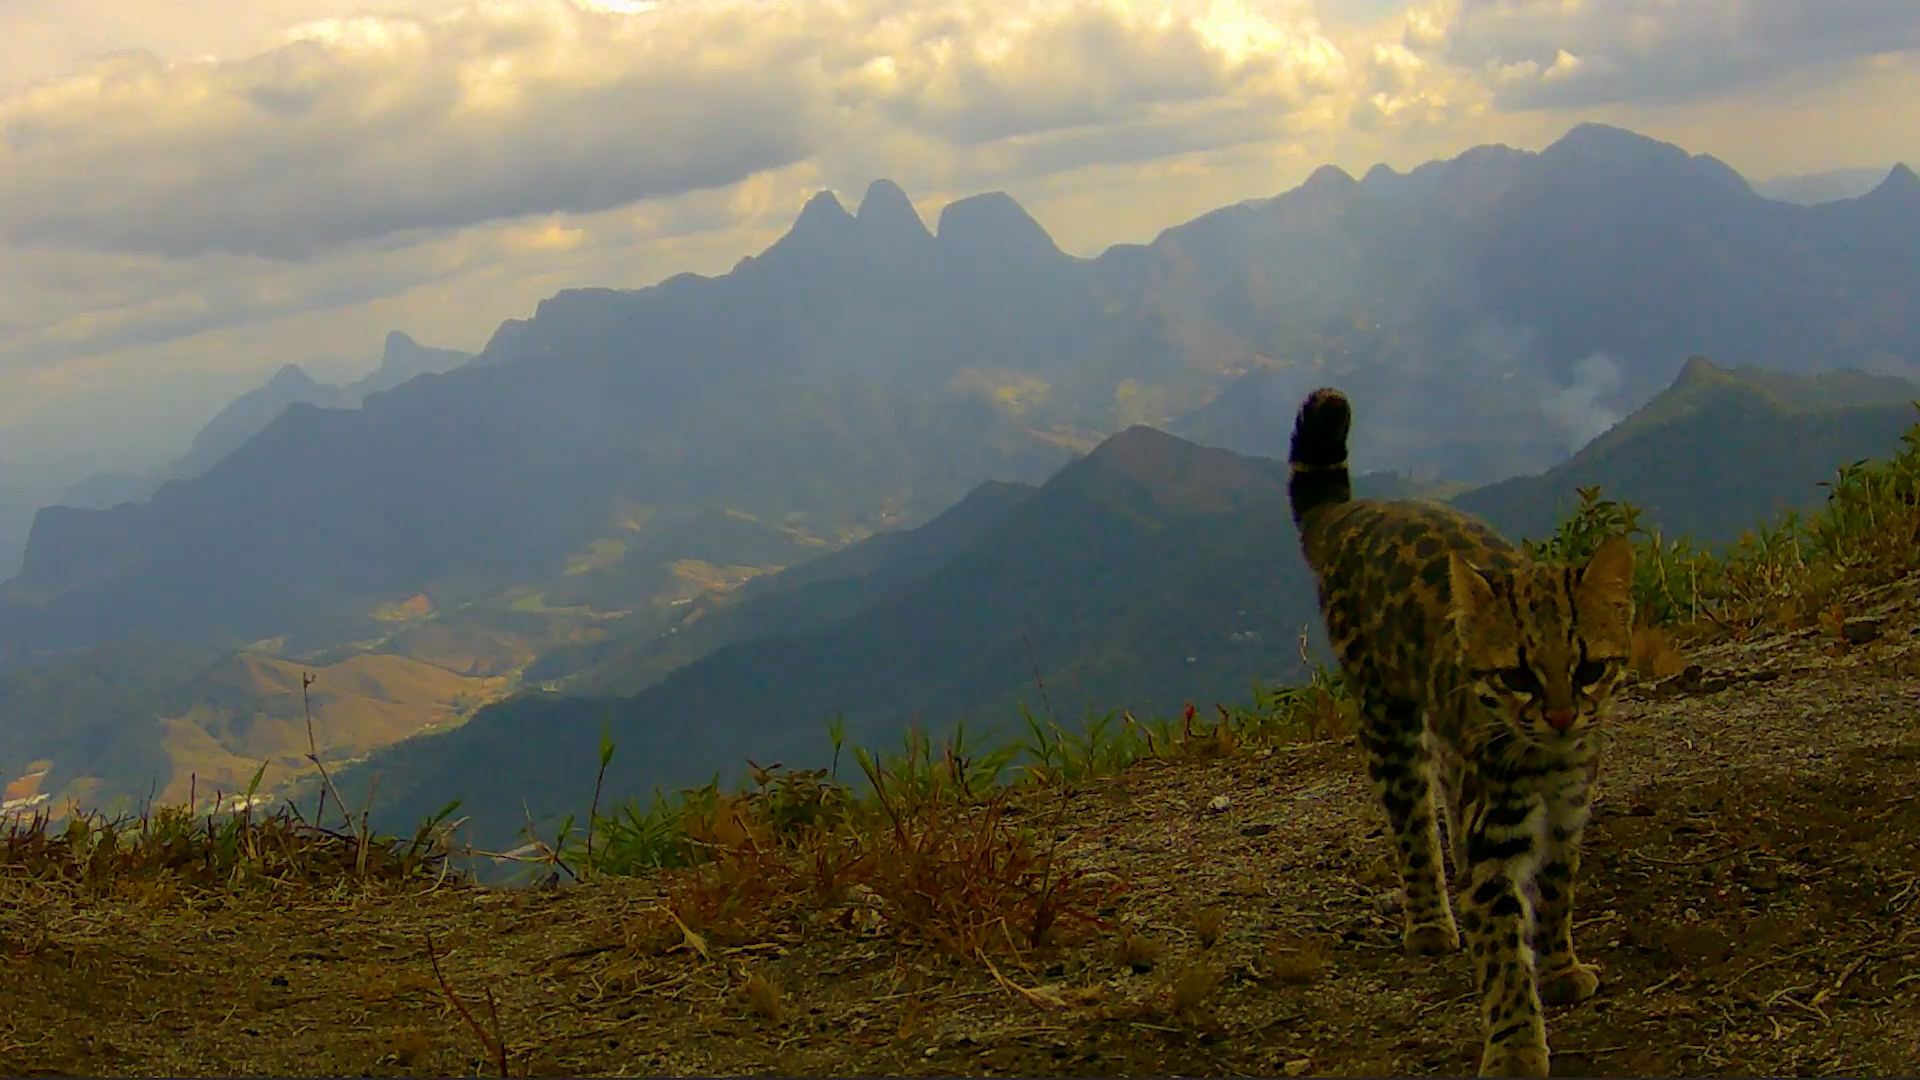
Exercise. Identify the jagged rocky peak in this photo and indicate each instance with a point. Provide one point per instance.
(1328, 179)
(994, 222)
(823, 212)
(885, 210)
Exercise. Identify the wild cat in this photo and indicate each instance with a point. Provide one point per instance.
(1454, 641)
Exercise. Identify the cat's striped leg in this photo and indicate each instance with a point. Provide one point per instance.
(1400, 767)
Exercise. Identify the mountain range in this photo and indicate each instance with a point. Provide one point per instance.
(1829, 186)
(631, 484)
(1148, 573)
(401, 359)
(21, 496)
(1475, 300)
(1721, 452)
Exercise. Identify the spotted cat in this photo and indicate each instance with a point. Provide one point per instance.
(1480, 676)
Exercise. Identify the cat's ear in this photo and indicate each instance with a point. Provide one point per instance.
(1482, 620)
(1608, 575)
(1472, 593)
(1604, 595)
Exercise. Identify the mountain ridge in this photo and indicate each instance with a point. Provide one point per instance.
(1466, 300)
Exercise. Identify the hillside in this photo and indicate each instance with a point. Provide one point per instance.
(879, 365)
(401, 359)
(1145, 574)
(150, 719)
(683, 629)
(1748, 890)
(342, 528)
(1719, 452)
(1150, 573)
(808, 596)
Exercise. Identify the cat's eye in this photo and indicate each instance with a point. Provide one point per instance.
(1588, 672)
(1520, 680)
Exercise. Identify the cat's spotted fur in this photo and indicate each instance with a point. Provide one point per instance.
(1479, 675)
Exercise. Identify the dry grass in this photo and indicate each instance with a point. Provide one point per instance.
(170, 853)
(1656, 653)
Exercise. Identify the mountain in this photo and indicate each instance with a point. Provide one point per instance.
(1501, 308)
(1719, 452)
(1822, 187)
(401, 359)
(108, 720)
(1496, 311)
(17, 507)
(147, 717)
(1146, 573)
(808, 596)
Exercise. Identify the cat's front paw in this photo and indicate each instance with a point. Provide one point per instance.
(1570, 984)
(1432, 939)
(1514, 1061)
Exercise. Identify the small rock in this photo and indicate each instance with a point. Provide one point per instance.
(1258, 828)
(1298, 1066)
(1860, 631)
(1220, 803)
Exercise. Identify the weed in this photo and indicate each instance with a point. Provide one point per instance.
(1293, 960)
(763, 997)
(1208, 924)
(1140, 952)
(1191, 987)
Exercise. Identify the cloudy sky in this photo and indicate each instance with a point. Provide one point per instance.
(190, 186)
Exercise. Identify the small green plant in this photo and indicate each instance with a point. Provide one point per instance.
(1790, 571)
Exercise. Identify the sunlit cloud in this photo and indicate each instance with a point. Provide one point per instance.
(250, 186)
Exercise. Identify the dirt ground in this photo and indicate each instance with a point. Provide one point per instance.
(1752, 894)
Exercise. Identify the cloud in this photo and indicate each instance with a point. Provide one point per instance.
(1560, 54)
(358, 128)
(1582, 409)
(364, 127)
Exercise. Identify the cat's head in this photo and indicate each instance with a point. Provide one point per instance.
(1546, 645)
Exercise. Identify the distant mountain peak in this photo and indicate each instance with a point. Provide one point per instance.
(400, 339)
(1591, 137)
(820, 222)
(823, 211)
(1698, 370)
(993, 222)
(1380, 173)
(290, 377)
(1328, 179)
(1182, 475)
(1604, 142)
(1901, 183)
(1635, 154)
(885, 209)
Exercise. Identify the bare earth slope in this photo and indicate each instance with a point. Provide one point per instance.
(1753, 895)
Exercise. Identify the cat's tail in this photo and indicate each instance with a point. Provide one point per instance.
(1318, 457)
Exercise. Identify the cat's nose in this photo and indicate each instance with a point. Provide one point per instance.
(1561, 719)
